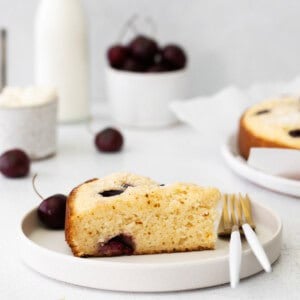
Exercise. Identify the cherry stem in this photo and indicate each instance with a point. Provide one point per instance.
(34, 187)
(129, 25)
(152, 26)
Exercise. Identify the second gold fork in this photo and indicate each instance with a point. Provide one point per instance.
(237, 217)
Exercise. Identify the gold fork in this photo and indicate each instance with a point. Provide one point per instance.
(230, 226)
(235, 219)
(239, 212)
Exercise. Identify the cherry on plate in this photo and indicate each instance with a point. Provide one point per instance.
(14, 163)
(174, 56)
(51, 210)
(109, 140)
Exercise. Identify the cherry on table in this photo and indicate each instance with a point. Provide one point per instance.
(109, 140)
(14, 163)
(51, 210)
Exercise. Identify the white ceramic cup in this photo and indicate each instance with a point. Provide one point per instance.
(143, 99)
(32, 129)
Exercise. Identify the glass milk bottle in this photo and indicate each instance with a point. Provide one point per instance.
(61, 56)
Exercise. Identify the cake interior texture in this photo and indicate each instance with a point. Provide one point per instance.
(130, 214)
(271, 123)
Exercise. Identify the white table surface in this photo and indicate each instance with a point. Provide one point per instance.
(177, 153)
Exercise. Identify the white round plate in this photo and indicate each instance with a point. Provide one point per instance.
(47, 252)
(239, 165)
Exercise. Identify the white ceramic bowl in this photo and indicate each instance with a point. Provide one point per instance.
(143, 99)
(32, 129)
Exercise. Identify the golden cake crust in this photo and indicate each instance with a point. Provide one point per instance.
(248, 139)
(69, 216)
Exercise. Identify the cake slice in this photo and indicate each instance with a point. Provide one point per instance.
(271, 123)
(124, 214)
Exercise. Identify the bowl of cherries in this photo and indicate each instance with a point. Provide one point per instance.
(142, 79)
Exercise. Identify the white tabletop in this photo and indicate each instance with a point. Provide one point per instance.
(174, 154)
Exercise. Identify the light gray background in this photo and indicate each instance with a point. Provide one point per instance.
(228, 41)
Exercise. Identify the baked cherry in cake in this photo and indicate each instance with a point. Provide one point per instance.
(295, 133)
(119, 245)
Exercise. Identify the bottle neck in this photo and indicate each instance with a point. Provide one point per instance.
(61, 2)
(60, 5)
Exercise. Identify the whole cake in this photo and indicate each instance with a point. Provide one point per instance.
(272, 123)
(124, 214)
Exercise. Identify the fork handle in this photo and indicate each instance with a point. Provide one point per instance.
(256, 247)
(235, 255)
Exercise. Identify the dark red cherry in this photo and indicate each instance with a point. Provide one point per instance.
(157, 68)
(117, 55)
(109, 140)
(174, 56)
(119, 245)
(52, 211)
(143, 49)
(295, 133)
(262, 112)
(111, 193)
(14, 163)
(132, 65)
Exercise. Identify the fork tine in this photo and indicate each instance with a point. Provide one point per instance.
(246, 207)
(239, 210)
(248, 201)
(226, 219)
(221, 223)
(232, 210)
(224, 228)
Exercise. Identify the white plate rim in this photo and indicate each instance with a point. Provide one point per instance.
(239, 165)
(142, 266)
